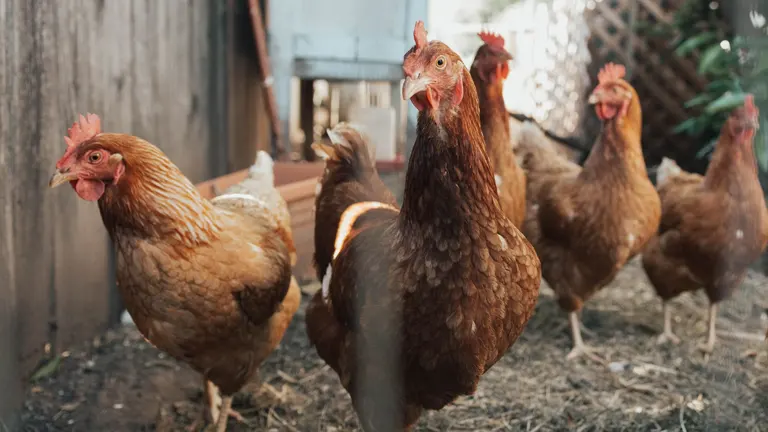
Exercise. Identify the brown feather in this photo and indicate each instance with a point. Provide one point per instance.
(423, 301)
(712, 227)
(495, 125)
(586, 223)
(207, 282)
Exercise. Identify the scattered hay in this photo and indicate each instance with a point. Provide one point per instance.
(118, 382)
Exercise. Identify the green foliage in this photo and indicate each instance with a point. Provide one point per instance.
(734, 65)
(688, 45)
(47, 369)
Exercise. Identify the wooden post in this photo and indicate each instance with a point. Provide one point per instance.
(307, 117)
(260, 37)
(220, 22)
(10, 375)
(280, 40)
(631, 35)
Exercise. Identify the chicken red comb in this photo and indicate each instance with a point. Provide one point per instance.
(87, 128)
(82, 130)
(611, 72)
(492, 39)
(420, 35)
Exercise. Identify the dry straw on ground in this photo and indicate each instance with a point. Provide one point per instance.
(120, 383)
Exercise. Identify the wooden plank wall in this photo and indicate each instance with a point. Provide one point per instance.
(140, 64)
(249, 124)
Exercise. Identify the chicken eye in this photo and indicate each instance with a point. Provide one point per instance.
(94, 157)
(440, 63)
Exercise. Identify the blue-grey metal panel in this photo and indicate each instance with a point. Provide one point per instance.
(339, 40)
(347, 70)
(382, 49)
(325, 47)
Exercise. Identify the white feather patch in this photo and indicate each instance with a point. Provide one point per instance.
(337, 138)
(667, 169)
(349, 217)
(263, 163)
(326, 287)
(239, 197)
(235, 196)
(504, 244)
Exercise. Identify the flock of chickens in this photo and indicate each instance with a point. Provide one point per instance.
(419, 301)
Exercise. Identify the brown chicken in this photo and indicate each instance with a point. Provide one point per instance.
(208, 282)
(713, 226)
(418, 303)
(489, 70)
(585, 223)
(350, 176)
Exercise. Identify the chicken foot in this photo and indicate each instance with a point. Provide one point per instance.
(667, 335)
(709, 346)
(219, 408)
(579, 347)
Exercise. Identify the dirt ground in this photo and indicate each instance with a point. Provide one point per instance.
(119, 383)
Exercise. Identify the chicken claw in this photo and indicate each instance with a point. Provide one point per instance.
(709, 346)
(667, 335)
(216, 405)
(585, 350)
(579, 347)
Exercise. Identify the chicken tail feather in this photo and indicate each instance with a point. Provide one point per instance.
(263, 168)
(348, 147)
(535, 152)
(668, 169)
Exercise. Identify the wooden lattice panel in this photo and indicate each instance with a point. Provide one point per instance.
(663, 80)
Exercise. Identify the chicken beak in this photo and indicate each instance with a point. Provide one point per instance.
(594, 98)
(414, 85)
(60, 177)
(755, 123)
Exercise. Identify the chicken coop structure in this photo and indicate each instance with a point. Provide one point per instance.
(339, 40)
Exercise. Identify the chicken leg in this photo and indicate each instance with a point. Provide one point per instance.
(667, 335)
(579, 347)
(218, 408)
(709, 346)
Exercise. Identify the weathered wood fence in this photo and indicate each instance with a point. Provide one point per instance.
(150, 68)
